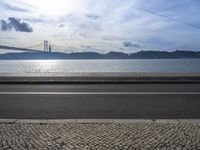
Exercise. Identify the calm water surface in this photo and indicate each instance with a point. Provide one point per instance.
(64, 66)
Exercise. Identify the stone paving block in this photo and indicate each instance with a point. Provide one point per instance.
(103, 136)
(62, 121)
(167, 121)
(32, 121)
(94, 120)
(132, 121)
(189, 121)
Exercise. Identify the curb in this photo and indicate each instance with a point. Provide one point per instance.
(97, 80)
(82, 121)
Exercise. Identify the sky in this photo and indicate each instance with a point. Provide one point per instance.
(101, 26)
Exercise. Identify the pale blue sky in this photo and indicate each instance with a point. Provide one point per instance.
(103, 25)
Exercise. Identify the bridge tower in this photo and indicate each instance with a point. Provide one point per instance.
(50, 49)
(46, 47)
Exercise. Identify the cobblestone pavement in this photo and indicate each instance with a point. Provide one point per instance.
(100, 136)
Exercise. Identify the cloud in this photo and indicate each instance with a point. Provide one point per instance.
(130, 44)
(88, 47)
(90, 26)
(5, 26)
(36, 20)
(16, 24)
(124, 25)
(168, 18)
(92, 16)
(61, 25)
(13, 7)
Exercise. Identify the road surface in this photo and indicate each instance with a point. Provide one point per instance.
(103, 101)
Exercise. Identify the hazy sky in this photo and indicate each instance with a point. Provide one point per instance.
(102, 25)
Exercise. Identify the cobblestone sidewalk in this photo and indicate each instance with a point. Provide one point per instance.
(100, 136)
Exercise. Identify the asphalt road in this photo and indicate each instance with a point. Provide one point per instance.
(105, 101)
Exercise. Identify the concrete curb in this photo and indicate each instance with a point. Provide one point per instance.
(96, 80)
(100, 78)
(115, 121)
(8, 120)
(132, 121)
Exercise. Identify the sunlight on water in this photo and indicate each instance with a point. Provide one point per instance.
(45, 65)
(65, 66)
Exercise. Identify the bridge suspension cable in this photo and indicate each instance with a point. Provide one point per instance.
(57, 47)
(34, 46)
(6, 43)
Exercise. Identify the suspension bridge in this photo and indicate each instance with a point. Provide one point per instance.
(39, 47)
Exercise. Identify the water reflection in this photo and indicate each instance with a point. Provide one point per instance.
(66, 66)
(45, 66)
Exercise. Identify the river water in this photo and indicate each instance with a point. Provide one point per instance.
(65, 66)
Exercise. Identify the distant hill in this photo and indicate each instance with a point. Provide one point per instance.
(165, 55)
(111, 55)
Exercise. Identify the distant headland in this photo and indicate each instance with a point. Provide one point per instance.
(178, 54)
